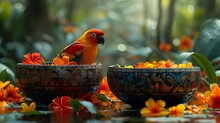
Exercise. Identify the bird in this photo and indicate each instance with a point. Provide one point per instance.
(84, 49)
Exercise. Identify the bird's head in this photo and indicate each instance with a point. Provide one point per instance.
(94, 37)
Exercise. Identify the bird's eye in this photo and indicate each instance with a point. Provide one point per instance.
(93, 35)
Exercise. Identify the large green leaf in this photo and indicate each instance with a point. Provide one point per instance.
(10, 74)
(75, 104)
(208, 41)
(3, 75)
(88, 105)
(202, 61)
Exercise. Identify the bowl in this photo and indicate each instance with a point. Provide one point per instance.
(134, 86)
(43, 83)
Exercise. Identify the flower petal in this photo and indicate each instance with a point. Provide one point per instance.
(150, 103)
(57, 61)
(213, 85)
(145, 110)
(180, 108)
(65, 101)
(57, 101)
(32, 106)
(160, 103)
(24, 106)
(65, 59)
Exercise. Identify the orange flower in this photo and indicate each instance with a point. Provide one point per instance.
(13, 94)
(185, 43)
(61, 104)
(104, 89)
(214, 101)
(193, 109)
(177, 110)
(3, 94)
(200, 99)
(33, 58)
(104, 86)
(162, 64)
(64, 61)
(165, 47)
(3, 104)
(68, 29)
(154, 108)
(26, 108)
(196, 34)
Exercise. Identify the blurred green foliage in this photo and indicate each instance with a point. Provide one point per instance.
(130, 27)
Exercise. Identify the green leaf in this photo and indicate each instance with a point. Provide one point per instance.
(208, 41)
(102, 97)
(3, 75)
(90, 107)
(202, 61)
(10, 73)
(99, 116)
(75, 104)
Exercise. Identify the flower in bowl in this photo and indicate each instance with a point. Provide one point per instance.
(163, 80)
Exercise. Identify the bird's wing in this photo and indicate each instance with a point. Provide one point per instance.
(74, 51)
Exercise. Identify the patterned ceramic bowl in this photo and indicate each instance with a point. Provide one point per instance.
(136, 85)
(43, 83)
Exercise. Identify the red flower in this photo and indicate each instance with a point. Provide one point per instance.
(33, 58)
(13, 94)
(61, 104)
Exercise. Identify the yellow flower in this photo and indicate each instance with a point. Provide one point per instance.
(3, 104)
(177, 110)
(26, 108)
(4, 84)
(154, 108)
(193, 109)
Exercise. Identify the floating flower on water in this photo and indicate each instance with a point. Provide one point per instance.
(33, 58)
(30, 108)
(177, 110)
(165, 47)
(63, 61)
(200, 98)
(185, 43)
(13, 94)
(154, 108)
(61, 104)
(194, 109)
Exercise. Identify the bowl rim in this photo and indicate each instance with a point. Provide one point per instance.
(115, 68)
(98, 65)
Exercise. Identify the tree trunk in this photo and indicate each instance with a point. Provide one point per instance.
(169, 25)
(159, 23)
(37, 21)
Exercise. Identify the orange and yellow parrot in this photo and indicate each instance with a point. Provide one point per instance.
(84, 49)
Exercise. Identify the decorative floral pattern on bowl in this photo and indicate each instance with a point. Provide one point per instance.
(43, 83)
(136, 85)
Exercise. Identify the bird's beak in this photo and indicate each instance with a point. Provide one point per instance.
(101, 40)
